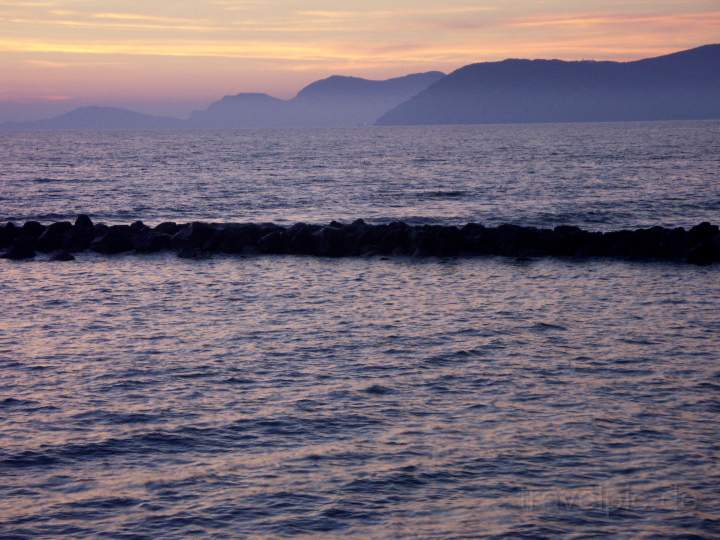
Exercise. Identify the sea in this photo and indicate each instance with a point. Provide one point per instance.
(147, 396)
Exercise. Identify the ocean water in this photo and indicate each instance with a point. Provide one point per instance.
(599, 176)
(264, 397)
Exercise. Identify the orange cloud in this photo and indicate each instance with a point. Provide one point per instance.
(705, 18)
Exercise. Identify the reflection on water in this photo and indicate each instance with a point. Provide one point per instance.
(597, 176)
(293, 396)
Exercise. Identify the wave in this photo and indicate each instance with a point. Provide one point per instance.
(188, 439)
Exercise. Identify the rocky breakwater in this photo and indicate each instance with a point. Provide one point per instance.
(59, 241)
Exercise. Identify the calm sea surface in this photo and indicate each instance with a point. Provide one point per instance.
(154, 397)
(599, 176)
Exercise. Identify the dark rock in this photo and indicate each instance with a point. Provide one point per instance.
(470, 230)
(83, 222)
(19, 252)
(654, 243)
(359, 236)
(515, 241)
(701, 256)
(82, 234)
(54, 236)
(590, 246)
(168, 227)
(8, 232)
(62, 256)
(193, 235)
(677, 245)
(150, 241)
(138, 226)
(707, 252)
(32, 229)
(475, 239)
(117, 239)
(704, 231)
(330, 241)
(239, 238)
(564, 241)
(302, 239)
(700, 245)
(437, 241)
(618, 244)
(395, 239)
(450, 241)
(274, 243)
(26, 237)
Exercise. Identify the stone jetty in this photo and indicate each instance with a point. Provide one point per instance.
(698, 245)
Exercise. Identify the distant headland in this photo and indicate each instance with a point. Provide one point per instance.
(333, 102)
(680, 86)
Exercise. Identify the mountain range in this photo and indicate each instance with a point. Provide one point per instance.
(683, 85)
(99, 118)
(333, 102)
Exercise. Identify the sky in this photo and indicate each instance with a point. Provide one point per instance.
(173, 56)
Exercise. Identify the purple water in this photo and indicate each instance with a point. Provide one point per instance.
(154, 397)
(599, 176)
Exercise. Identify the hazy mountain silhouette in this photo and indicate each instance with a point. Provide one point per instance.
(333, 102)
(99, 118)
(684, 85)
(336, 101)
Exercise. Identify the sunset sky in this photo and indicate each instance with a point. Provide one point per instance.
(171, 56)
